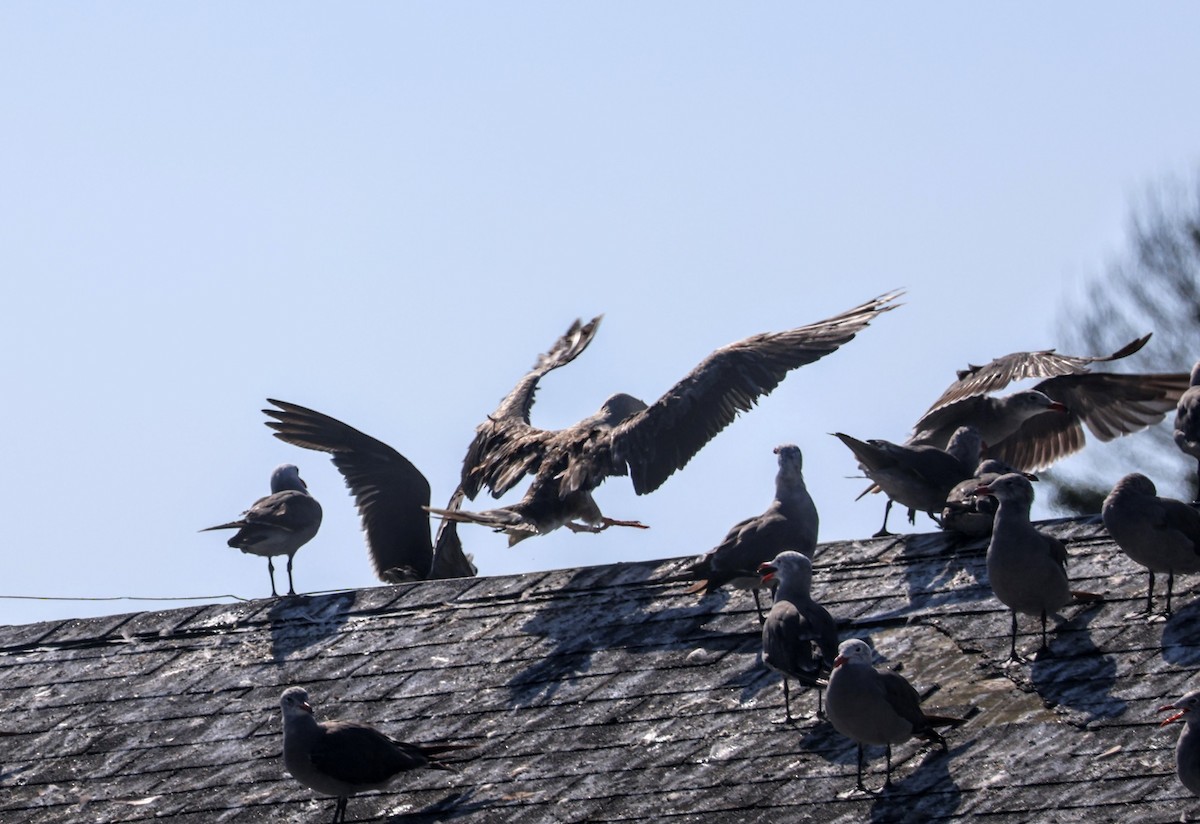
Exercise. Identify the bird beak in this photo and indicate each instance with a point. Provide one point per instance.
(1058, 407)
(307, 707)
(983, 489)
(1030, 476)
(837, 662)
(767, 571)
(1174, 717)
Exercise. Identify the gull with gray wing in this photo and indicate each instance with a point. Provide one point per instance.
(1187, 421)
(343, 758)
(1187, 750)
(278, 524)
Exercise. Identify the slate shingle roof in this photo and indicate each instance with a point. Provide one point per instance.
(597, 694)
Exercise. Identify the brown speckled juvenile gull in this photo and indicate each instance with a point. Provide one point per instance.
(1161, 534)
(390, 492)
(799, 636)
(878, 707)
(627, 437)
(966, 511)
(278, 524)
(789, 523)
(1033, 428)
(342, 758)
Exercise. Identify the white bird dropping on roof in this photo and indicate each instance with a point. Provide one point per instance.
(278, 524)
(342, 758)
(1187, 751)
(790, 522)
(1161, 534)
(799, 636)
(877, 707)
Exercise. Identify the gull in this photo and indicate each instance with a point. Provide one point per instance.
(969, 513)
(1033, 428)
(390, 492)
(790, 522)
(1187, 751)
(628, 437)
(278, 524)
(1161, 534)
(878, 707)
(799, 637)
(1187, 419)
(918, 477)
(1027, 569)
(342, 758)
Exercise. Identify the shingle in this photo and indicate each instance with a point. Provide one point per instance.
(599, 694)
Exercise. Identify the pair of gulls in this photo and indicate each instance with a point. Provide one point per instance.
(648, 443)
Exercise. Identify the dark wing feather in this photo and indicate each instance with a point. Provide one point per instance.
(358, 754)
(903, 699)
(999, 373)
(389, 490)
(658, 441)
(449, 560)
(290, 509)
(506, 446)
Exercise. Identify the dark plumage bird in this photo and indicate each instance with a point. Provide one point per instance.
(1032, 429)
(342, 758)
(1187, 420)
(390, 492)
(918, 477)
(278, 524)
(1187, 750)
(799, 637)
(966, 511)
(1027, 569)
(627, 437)
(878, 707)
(790, 522)
(1161, 534)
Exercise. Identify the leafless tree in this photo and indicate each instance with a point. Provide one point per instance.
(1153, 286)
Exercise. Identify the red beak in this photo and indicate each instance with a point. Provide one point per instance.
(1174, 717)
(767, 571)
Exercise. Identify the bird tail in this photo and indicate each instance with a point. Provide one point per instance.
(434, 752)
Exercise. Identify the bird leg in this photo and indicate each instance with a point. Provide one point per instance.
(603, 524)
(339, 812)
(883, 530)
(860, 769)
(787, 703)
(887, 783)
(762, 619)
(1013, 658)
(291, 586)
(614, 522)
(1170, 586)
(271, 570)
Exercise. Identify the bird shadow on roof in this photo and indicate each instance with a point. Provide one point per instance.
(928, 793)
(301, 621)
(1077, 674)
(1181, 637)
(454, 806)
(599, 619)
(933, 561)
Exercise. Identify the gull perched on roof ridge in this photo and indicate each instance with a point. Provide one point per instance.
(279, 523)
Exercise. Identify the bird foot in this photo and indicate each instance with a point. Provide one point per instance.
(883, 533)
(614, 522)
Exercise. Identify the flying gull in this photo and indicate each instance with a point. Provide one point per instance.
(390, 492)
(627, 437)
(1187, 420)
(878, 707)
(799, 637)
(918, 477)
(1027, 570)
(342, 758)
(789, 523)
(1033, 428)
(278, 524)
(1161, 534)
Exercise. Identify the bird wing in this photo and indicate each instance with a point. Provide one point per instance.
(661, 439)
(1109, 404)
(358, 754)
(449, 560)
(389, 491)
(290, 510)
(902, 698)
(506, 446)
(999, 373)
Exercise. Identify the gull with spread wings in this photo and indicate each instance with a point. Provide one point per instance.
(628, 437)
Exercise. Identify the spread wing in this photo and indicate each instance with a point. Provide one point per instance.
(999, 373)
(506, 446)
(389, 490)
(661, 439)
(1109, 405)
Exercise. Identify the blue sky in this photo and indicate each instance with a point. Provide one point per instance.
(386, 211)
